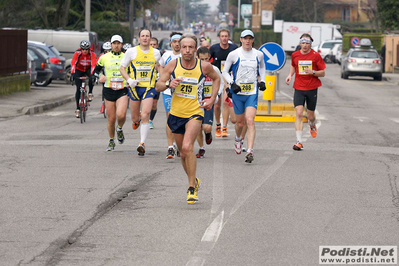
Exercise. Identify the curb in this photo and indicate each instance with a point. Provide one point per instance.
(40, 108)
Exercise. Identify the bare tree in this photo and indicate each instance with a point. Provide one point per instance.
(39, 6)
(62, 13)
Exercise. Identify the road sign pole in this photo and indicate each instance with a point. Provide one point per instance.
(277, 86)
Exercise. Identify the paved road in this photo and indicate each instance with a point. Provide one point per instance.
(65, 201)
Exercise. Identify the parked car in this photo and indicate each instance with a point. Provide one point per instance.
(31, 67)
(332, 56)
(57, 61)
(325, 47)
(362, 61)
(44, 73)
(338, 57)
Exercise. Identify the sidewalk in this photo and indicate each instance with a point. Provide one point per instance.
(37, 100)
(40, 99)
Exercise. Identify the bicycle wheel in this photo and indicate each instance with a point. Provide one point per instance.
(81, 115)
(82, 106)
(84, 116)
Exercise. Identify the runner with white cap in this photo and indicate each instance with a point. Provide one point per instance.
(247, 66)
(114, 90)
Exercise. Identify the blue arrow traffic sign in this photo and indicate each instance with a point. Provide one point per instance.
(274, 56)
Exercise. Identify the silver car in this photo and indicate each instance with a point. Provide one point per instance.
(362, 61)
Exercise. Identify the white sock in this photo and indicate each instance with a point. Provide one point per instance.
(238, 138)
(170, 147)
(299, 136)
(144, 129)
(202, 148)
(250, 151)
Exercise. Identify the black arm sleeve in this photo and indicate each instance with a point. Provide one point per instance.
(97, 70)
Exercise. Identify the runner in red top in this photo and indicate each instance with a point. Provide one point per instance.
(308, 66)
(83, 63)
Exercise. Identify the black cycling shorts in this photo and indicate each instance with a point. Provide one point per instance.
(310, 97)
(113, 95)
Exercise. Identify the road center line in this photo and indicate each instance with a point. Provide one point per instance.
(258, 183)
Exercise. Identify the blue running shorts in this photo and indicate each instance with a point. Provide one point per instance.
(240, 102)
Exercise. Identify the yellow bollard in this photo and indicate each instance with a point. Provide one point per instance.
(268, 94)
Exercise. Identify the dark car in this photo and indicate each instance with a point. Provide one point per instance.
(57, 61)
(44, 73)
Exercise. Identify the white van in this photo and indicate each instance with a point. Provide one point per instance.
(66, 42)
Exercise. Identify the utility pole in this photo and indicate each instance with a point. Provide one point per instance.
(131, 21)
(87, 15)
(239, 14)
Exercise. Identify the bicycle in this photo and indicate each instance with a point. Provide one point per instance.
(84, 100)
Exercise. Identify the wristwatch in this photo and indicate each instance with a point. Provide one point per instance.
(167, 84)
(314, 72)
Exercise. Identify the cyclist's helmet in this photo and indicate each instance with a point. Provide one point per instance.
(107, 46)
(127, 46)
(85, 45)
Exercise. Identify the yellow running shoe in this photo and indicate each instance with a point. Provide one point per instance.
(192, 196)
(198, 185)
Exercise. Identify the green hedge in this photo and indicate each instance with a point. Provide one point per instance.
(376, 39)
(261, 37)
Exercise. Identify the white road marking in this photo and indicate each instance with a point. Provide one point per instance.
(53, 113)
(213, 231)
(258, 183)
(218, 188)
(396, 120)
(361, 118)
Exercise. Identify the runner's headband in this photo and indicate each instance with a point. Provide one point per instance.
(305, 41)
(174, 37)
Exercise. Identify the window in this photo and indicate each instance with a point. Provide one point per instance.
(364, 54)
(346, 14)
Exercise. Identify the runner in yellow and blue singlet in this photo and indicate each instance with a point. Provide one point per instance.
(187, 75)
(141, 61)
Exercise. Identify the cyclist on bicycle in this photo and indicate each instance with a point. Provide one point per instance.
(83, 63)
(114, 90)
